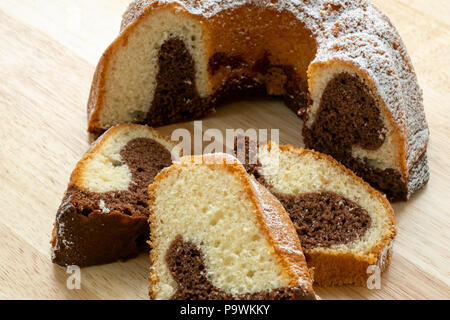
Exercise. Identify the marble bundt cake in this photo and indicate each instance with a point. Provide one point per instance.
(211, 242)
(344, 225)
(104, 212)
(340, 64)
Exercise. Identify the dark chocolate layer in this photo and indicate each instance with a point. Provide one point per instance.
(221, 59)
(246, 150)
(176, 97)
(186, 264)
(348, 115)
(320, 218)
(89, 233)
(323, 219)
(293, 91)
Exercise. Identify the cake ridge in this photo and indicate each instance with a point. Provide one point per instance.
(361, 16)
(236, 38)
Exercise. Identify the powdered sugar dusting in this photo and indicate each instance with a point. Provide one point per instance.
(102, 206)
(354, 31)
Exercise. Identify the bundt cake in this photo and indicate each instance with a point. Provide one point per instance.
(344, 225)
(340, 64)
(211, 242)
(104, 212)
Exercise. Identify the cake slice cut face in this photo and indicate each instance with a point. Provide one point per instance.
(103, 215)
(216, 233)
(351, 121)
(344, 225)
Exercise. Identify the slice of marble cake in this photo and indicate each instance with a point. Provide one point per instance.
(216, 233)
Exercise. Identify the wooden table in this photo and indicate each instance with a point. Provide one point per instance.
(48, 51)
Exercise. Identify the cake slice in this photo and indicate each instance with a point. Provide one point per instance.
(216, 233)
(343, 224)
(103, 215)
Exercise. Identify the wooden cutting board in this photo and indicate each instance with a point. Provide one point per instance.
(48, 52)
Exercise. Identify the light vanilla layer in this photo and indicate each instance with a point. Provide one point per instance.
(209, 207)
(132, 72)
(104, 169)
(386, 156)
(294, 173)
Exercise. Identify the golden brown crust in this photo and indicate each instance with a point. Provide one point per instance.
(96, 95)
(98, 144)
(333, 268)
(338, 269)
(280, 233)
(343, 269)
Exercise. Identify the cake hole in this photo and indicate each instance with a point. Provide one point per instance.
(215, 219)
(142, 204)
(127, 212)
(116, 163)
(86, 211)
(141, 240)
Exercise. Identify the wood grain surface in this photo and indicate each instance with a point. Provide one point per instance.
(48, 52)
